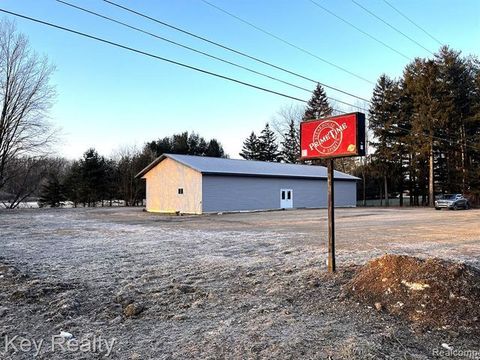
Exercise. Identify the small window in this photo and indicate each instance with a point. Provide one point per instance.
(283, 195)
(289, 195)
(180, 191)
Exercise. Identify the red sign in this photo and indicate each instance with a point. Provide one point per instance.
(335, 136)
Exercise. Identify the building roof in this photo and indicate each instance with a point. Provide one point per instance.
(221, 166)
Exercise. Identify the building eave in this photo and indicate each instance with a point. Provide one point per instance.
(178, 159)
(214, 173)
(157, 161)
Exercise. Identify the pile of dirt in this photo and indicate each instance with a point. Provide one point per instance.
(431, 293)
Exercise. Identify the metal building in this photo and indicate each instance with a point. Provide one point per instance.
(195, 185)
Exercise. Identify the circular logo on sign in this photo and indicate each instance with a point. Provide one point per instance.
(327, 137)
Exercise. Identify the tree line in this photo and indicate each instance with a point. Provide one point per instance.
(27, 168)
(423, 131)
(94, 180)
(426, 129)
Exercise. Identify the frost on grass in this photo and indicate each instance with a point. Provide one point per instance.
(229, 286)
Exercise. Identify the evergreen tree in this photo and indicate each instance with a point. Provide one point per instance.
(202, 147)
(291, 144)
(250, 149)
(214, 149)
(90, 180)
(52, 192)
(73, 183)
(383, 123)
(424, 126)
(180, 143)
(473, 136)
(456, 112)
(110, 189)
(267, 145)
(161, 146)
(196, 145)
(188, 144)
(422, 80)
(318, 106)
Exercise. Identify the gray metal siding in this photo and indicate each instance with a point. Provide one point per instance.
(234, 193)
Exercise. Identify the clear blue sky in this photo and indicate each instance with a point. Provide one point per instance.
(108, 97)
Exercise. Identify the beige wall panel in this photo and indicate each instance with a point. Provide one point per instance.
(163, 182)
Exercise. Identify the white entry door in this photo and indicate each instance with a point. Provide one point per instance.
(286, 198)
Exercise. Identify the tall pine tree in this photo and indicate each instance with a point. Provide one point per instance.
(457, 92)
(250, 149)
(267, 146)
(214, 149)
(291, 144)
(423, 83)
(74, 183)
(94, 173)
(318, 105)
(383, 115)
(424, 126)
(52, 193)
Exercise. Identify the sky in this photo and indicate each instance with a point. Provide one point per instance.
(109, 98)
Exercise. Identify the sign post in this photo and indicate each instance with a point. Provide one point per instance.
(329, 138)
(331, 216)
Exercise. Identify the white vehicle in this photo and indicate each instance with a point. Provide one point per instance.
(452, 202)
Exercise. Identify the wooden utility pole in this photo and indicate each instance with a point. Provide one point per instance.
(331, 216)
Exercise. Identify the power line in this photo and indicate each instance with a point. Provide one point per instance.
(287, 42)
(180, 44)
(198, 51)
(360, 30)
(438, 138)
(124, 47)
(150, 55)
(391, 26)
(412, 22)
(450, 141)
(234, 50)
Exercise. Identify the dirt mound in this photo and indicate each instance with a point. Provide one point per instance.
(431, 293)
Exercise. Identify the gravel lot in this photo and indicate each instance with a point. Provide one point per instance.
(249, 285)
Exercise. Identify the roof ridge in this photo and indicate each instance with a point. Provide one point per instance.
(243, 167)
(249, 160)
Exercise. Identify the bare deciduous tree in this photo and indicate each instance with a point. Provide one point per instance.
(281, 120)
(25, 177)
(25, 98)
(130, 161)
